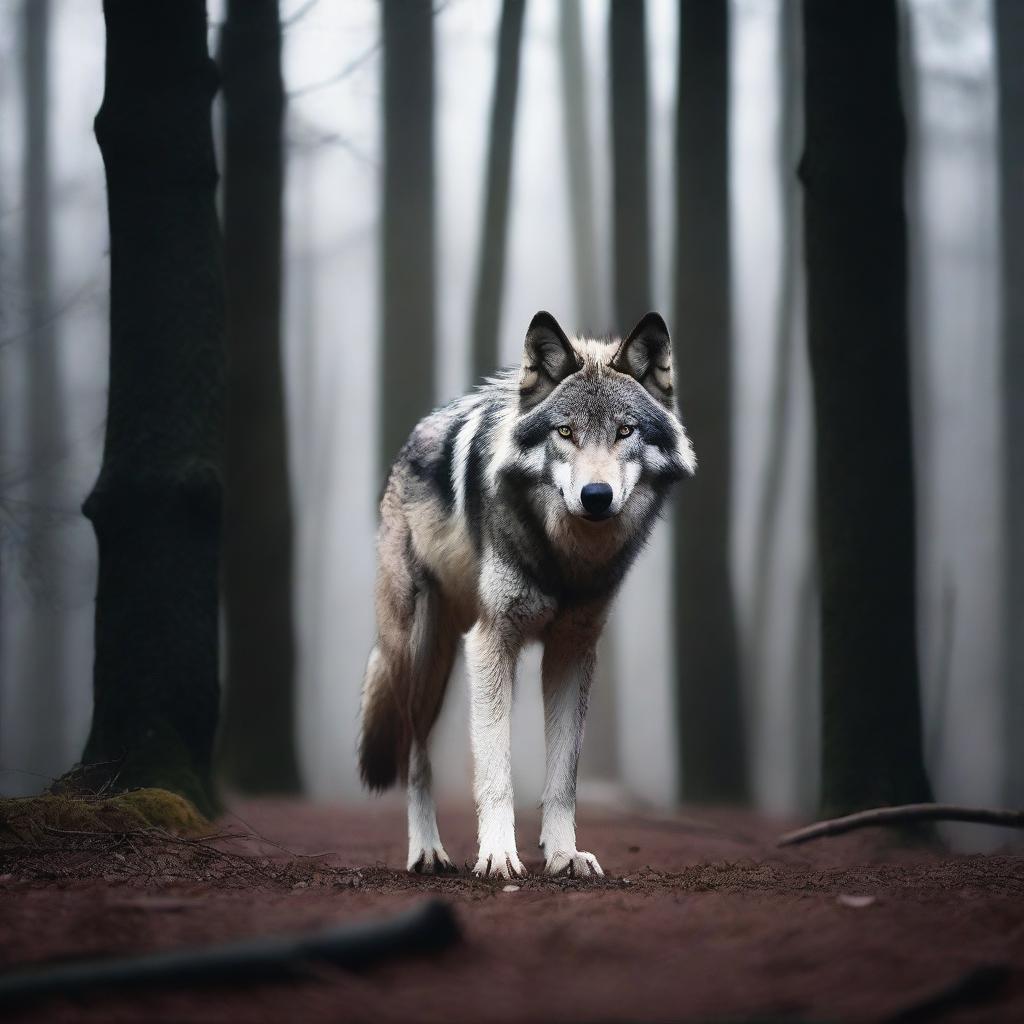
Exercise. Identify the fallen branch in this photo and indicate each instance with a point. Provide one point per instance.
(979, 985)
(901, 815)
(426, 928)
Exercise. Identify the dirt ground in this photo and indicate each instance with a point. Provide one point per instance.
(699, 918)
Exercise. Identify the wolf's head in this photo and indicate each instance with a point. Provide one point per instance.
(597, 419)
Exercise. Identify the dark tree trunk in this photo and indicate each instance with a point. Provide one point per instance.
(578, 156)
(487, 307)
(41, 670)
(1009, 18)
(856, 252)
(632, 238)
(257, 740)
(711, 729)
(156, 505)
(407, 273)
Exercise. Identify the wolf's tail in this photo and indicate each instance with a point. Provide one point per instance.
(384, 738)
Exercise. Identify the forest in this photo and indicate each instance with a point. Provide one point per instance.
(246, 245)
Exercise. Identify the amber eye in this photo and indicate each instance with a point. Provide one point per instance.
(625, 430)
(565, 431)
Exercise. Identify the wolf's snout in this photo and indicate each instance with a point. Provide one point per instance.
(596, 498)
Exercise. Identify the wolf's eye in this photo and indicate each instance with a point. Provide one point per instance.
(624, 431)
(565, 431)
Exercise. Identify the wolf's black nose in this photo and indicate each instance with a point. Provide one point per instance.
(596, 498)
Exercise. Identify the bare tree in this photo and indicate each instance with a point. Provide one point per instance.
(257, 742)
(855, 236)
(631, 213)
(487, 305)
(711, 729)
(407, 342)
(156, 506)
(42, 667)
(1009, 20)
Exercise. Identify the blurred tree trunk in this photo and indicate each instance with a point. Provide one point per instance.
(631, 241)
(491, 270)
(856, 250)
(407, 342)
(711, 729)
(157, 503)
(1009, 21)
(578, 160)
(257, 740)
(41, 671)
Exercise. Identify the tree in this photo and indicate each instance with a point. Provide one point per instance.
(156, 505)
(631, 217)
(1009, 21)
(711, 729)
(856, 252)
(407, 271)
(487, 305)
(42, 668)
(257, 741)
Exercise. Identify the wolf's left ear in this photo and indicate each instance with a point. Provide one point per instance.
(646, 355)
(548, 358)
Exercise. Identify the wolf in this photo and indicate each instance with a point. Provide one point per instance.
(511, 516)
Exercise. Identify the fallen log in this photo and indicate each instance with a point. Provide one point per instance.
(428, 927)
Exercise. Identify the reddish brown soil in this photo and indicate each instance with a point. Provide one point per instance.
(697, 920)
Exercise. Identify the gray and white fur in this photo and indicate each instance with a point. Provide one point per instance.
(512, 515)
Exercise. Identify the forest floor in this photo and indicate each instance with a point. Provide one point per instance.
(698, 918)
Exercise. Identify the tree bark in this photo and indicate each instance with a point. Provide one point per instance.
(257, 740)
(42, 667)
(407, 273)
(156, 505)
(711, 728)
(631, 219)
(487, 306)
(856, 250)
(1009, 21)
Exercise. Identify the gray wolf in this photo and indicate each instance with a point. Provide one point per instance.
(512, 515)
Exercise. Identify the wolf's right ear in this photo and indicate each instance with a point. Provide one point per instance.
(646, 355)
(548, 358)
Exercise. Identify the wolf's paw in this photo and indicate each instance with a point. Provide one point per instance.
(499, 864)
(574, 864)
(433, 861)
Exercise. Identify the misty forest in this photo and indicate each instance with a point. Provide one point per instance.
(246, 245)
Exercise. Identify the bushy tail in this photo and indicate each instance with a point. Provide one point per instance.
(384, 738)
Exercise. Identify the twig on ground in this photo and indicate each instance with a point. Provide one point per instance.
(903, 815)
(978, 985)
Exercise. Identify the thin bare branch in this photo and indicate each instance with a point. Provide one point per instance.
(902, 815)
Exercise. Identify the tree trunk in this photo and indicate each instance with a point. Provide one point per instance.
(41, 669)
(487, 307)
(856, 252)
(407, 272)
(1009, 20)
(578, 157)
(156, 505)
(257, 740)
(711, 730)
(632, 238)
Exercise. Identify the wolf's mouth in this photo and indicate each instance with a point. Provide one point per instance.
(599, 518)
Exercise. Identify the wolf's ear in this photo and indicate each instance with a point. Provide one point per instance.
(548, 358)
(646, 355)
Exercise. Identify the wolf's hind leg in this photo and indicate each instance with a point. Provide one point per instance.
(567, 671)
(426, 854)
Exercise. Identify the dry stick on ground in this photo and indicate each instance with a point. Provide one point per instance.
(901, 815)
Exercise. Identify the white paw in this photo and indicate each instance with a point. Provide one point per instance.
(574, 863)
(499, 864)
(430, 861)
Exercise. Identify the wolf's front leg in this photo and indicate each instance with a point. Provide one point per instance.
(491, 656)
(567, 671)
